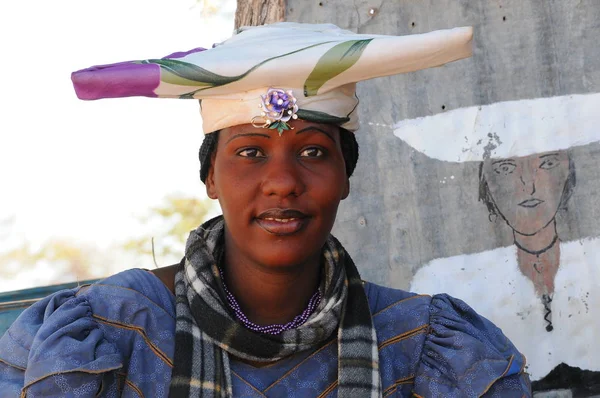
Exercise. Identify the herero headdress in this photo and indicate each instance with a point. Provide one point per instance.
(271, 74)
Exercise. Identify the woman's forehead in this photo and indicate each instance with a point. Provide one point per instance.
(561, 154)
(296, 126)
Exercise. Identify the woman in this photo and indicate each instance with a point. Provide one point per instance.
(527, 192)
(265, 302)
(540, 288)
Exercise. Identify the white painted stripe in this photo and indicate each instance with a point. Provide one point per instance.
(505, 129)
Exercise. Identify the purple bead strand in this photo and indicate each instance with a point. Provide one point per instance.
(271, 329)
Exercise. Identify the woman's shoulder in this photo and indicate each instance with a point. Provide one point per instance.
(464, 351)
(91, 329)
(134, 284)
(455, 350)
(383, 298)
(134, 297)
(105, 299)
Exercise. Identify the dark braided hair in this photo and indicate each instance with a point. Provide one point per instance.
(208, 147)
(347, 142)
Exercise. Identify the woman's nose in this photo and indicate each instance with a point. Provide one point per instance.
(282, 177)
(527, 177)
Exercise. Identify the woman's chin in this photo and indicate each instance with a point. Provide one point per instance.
(529, 229)
(283, 259)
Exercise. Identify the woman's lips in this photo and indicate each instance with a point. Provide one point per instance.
(531, 202)
(281, 227)
(282, 221)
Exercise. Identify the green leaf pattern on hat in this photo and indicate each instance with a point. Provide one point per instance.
(280, 126)
(185, 74)
(321, 117)
(335, 61)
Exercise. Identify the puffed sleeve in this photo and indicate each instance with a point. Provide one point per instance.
(56, 349)
(465, 355)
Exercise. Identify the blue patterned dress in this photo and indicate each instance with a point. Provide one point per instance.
(115, 338)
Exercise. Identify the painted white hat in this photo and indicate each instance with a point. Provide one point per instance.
(270, 74)
(505, 129)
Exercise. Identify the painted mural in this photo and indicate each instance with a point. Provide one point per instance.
(542, 291)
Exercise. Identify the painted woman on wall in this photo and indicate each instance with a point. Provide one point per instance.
(542, 291)
(527, 192)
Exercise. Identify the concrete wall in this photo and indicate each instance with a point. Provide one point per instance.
(410, 212)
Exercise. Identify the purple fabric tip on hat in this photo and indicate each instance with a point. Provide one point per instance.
(124, 79)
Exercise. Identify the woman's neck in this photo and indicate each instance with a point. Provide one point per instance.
(270, 295)
(539, 257)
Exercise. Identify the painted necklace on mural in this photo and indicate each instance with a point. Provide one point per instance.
(537, 252)
(276, 329)
(546, 298)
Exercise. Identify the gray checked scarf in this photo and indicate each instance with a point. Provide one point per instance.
(207, 331)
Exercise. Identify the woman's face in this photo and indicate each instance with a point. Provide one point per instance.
(279, 194)
(527, 190)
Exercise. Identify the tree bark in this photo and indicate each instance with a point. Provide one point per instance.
(259, 12)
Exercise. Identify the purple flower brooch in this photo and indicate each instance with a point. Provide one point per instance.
(278, 107)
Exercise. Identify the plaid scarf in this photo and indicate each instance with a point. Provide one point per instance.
(207, 331)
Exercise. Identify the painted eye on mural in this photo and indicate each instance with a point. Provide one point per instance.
(549, 162)
(504, 167)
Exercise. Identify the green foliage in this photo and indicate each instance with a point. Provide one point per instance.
(172, 222)
(209, 8)
(70, 260)
(70, 257)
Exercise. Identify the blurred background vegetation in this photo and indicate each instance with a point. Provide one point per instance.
(58, 260)
(173, 221)
(159, 238)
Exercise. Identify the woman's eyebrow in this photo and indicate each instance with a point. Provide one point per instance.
(549, 154)
(317, 129)
(247, 135)
(503, 160)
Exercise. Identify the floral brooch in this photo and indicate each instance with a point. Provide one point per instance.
(278, 107)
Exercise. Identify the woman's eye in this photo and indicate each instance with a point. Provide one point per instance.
(251, 153)
(549, 163)
(504, 168)
(311, 153)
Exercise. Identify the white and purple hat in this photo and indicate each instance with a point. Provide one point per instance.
(271, 74)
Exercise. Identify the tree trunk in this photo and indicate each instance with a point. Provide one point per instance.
(259, 12)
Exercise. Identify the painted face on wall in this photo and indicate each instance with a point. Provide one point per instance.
(527, 191)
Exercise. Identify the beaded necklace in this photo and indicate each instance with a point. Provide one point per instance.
(271, 329)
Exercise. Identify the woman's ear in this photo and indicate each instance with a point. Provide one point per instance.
(346, 189)
(211, 189)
